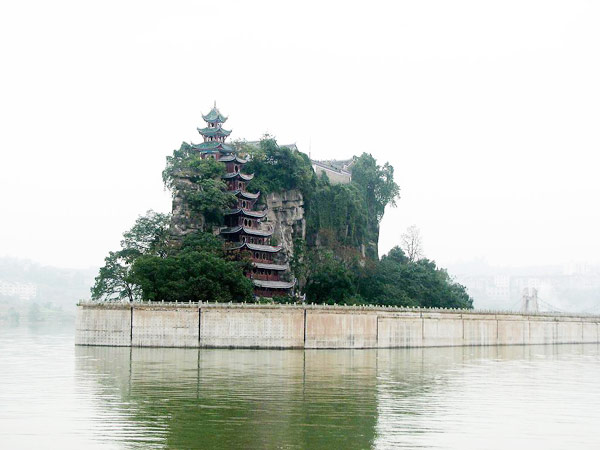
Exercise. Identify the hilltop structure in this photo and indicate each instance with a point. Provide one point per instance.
(243, 229)
(337, 171)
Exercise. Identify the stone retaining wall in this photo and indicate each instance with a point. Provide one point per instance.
(317, 327)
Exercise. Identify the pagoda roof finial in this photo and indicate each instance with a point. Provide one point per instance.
(214, 116)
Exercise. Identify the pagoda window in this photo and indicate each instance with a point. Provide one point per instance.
(237, 168)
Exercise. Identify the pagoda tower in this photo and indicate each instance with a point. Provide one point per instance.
(243, 229)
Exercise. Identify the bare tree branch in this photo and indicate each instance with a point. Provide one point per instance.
(412, 244)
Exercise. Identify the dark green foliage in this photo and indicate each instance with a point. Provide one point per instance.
(200, 271)
(377, 183)
(337, 213)
(341, 221)
(148, 235)
(394, 280)
(397, 281)
(147, 267)
(204, 192)
(277, 168)
(330, 280)
(187, 163)
(113, 282)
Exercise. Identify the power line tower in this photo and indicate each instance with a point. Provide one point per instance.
(529, 303)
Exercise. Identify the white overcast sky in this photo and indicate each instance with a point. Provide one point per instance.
(488, 111)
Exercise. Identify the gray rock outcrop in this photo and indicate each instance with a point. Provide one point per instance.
(285, 214)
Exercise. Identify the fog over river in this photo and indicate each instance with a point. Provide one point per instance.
(103, 397)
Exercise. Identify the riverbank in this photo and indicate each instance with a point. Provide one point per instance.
(214, 325)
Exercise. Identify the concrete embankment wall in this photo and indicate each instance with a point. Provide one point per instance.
(314, 327)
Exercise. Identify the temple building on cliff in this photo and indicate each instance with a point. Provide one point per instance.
(243, 229)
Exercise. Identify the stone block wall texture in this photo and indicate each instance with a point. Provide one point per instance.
(165, 327)
(103, 326)
(319, 327)
(400, 331)
(252, 328)
(340, 330)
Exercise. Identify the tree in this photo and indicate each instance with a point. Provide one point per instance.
(330, 280)
(113, 282)
(277, 168)
(148, 236)
(378, 184)
(412, 244)
(396, 280)
(200, 271)
(199, 182)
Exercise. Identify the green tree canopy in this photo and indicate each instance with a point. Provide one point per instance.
(395, 280)
(330, 280)
(377, 182)
(199, 182)
(147, 236)
(200, 271)
(277, 168)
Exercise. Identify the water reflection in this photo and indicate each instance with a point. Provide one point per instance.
(239, 398)
(485, 397)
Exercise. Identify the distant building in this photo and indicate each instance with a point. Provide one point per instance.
(338, 171)
(22, 291)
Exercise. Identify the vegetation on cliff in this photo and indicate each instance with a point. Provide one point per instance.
(199, 183)
(337, 262)
(150, 267)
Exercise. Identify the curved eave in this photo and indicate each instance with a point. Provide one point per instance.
(231, 158)
(253, 232)
(244, 212)
(278, 267)
(214, 146)
(245, 230)
(263, 248)
(214, 116)
(273, 284)
(232, 175)
(255, 247)
(208, 131)
(247, 195)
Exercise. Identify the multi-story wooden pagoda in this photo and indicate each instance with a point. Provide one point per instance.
(243, 225)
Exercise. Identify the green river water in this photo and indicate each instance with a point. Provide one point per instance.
(56, 395)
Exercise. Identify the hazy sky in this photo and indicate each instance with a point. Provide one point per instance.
(488, 111)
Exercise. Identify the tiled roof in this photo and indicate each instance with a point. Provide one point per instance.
(214, 116)
(231, 175)
(274, 284)
(213, 131)
(271, 266)
(245, 212)
(250, 231)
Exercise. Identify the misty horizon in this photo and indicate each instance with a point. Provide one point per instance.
(492, 135)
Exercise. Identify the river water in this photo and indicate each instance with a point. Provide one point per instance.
(56, 395)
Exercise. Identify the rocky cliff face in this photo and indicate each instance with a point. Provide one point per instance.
(285, 213)
(183, 220)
